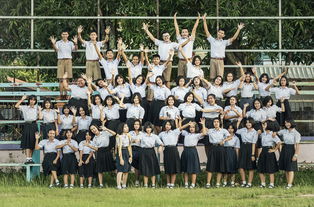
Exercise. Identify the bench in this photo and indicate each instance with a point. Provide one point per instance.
(30, 169)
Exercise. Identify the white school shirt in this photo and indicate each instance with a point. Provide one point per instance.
(112, 113)
(67, 149)
(90, 51)
(232, 113)
(157, 70)
(149, 141)
(179, 92)
(135, 138)
(271, 112)
(170, 138)
(135, 112)
(66, 121)
(234, 142)
(29, 113)
(201, 92)
(248, 136)
(136, 70)
(170, 112)
(103, 92)
(102, 140)
(124, 139)
(49, 116)
(49, 146)
(290, 137)
(85, 149)
(268, 140)
(211, 115)
(191, 139)
(281, 92)
(160, 93)
(218, 47)
(141, 89)
(262, 86)
(65, 49)
(193, 71)
(110, 66)
(122, 89)
(164, 48)
(187, 49)
(247, 90)
(216, 136)
(188, 110)
(258, 115)
(229, 85)
(78, 92)
(216, 90)
(83, 123)
(96, 111)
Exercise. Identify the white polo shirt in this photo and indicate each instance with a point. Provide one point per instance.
(65, 49)
(193, 71)
(136, 70)
(218, 47)
(164, 48)
(110, 66)
(90, 51)
(187, 49)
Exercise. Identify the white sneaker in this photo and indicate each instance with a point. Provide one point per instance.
(137, 183)
(71, 186)
(65, 186)
(207, 186)
(81, 186)
(50, 186)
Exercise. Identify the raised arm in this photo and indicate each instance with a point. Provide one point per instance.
(109, 130)
(239, 64)
(98, 52)
(107, 31)
(176, 26)
(142, 54)
(145, 28)
(17, 105)
(146, 56)
(182, 53)
(53, 42)
(125, 58)
(79, 34)
(281, 74)
(295, 88)
(37, 136)
(270, 85)
(198, 98)
(235, 36)
(206, 82)
(193, 33)
(205, 26)
(171, 53)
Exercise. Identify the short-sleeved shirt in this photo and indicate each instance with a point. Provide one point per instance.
(232, 113)
(135, 138)
(216, 90)
(104, 92)
(170, 138)
(262, 86)
(271, 112)
(218, 47)
(124, 140)
(109, 67)
(187, 49)
(193, 71)
(179, 92)
(160, 93)
(281, 92)
(290, 137)
(78, 92)
(201, 92)
(268, 140)
(134, 111)
(65, 49)
(113, 112)
(29, 113)
(83, 123)
(164, 48)
(249, 136)
(191, 139)
(213, 114)
(157, 70)
(122, 89)
(189, 110)
(229, 85)
(49, 116)
(85, 149)
(149, 141)
(141, 89)
(90, 51)
(67, 149)
(136, 70)
(257, 115)
(49, 146)
(170, 112)
(216, 136)
(102, 140)
(247, 90)
(96, 112)
(234, 142)
(66, 121)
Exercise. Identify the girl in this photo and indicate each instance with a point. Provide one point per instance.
(179, 91)
(230, 87)
(30, 116)
(247, 160)
(49, 117)
(190, 163)
(171, 154)
(169, 112)
(68, 161)
(215, 88)
(216, 161)
(290, 151)
(124, 155)
(271, 111)
(66, 121)
(87, 162)
(161, 93)
(188, 108)
(283, 92)
(51, 162)
(193, 68)
(197, 87)
(257, 113)
(136, 135)
(232, 147)
(149, 165)
(104, 158)
(82, 123)
(267, 162)
(232, 112)
(97, 109)
(247, 86)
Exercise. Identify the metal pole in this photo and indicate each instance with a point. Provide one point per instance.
(157, 11)
(32, 24)
(280, 34)
(217, 13)
(98, 20)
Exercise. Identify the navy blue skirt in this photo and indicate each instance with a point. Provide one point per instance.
(68, 164)
(155, 110)
(216, 159)
(149, 165)
(48, 165)
(231, 160)
(104, 160)
(190, 162)
(28, 135)
(267, 162)
(127, 166)
(171, 160)
(285, 159)
(245, 157)
(87, 170)
(136, 156)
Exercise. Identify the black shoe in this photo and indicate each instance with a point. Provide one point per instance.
(31, 162)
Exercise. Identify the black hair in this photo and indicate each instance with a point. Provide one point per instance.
(259, 100)
(120, 127)
(94, 99)
(211, 95)
(65, 30)
(184, 28)
(89, 133)
(106, 99)
(47, 100)
(139, 121)
(84, 109)
(293, 125)
(96, 82)
(231, 74)
(264, 75)
(93, 31)
(222, 80)
(156, 56)
(162, 80)
(109, 50)
(235, 99)
(143, 79)
(51, 130)
(179, 78)
(196, 57)
(270, 125)
(116, 78)
(250, 120)
(196, 127)
(201, 83)
(248, 73)
(66, 106)
(164, 124)
(138, 95)
(136, 55)
(95, 125)
(66, 131)
(287, 82)
(233, 125)
(167, 99)
(267, 99)
(148, 125)
(221, 29)
(187, 95)
(218, 120)
(32, 97)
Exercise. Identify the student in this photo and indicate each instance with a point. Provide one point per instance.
(66, 121)
(169, 137)
(271, 111)
(30, 116)
(179, 91)
(97, 109)
(149, 166)
(283, 91)
(232, 147)
(136, 135)
(134, 110)
(165, 50)
(87, 161)
(136, 65)
(78, 90)
(68, 161)
(267, 162)
(187, 48)
(92, 59)
(247, 86)
(247, 161)
(215, 88)
(190, 163)
(188, 108)
(49, 117)
(100, 87)
(123, 156)
(197, 87)
(51, 162)
(169, 112)
(232, 112)
(193, 66)
(230, 86)
(290, 151)
(82, 123)
(216, 161)
(64, 49)
(217, 48)
(104, 158)
(257, 113)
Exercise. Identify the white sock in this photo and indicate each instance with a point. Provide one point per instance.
(249, 184)
(193, 185)
(263, 184)
(168, 184)
(225, 183)
(57, 181)
(186, 183)
(271, 184)
(244, 182)
(171, 185)
(232, 183)
(123, 186)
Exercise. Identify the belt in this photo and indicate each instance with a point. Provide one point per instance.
(246, 143)
(65, 59)
(92, 60)
(170, 145)
(229, 147)
(189, 146)
(182, 59)
(124, 148)
(267, 147)
(69, 153)
(216, 144)
(246, 97)
(217, 58)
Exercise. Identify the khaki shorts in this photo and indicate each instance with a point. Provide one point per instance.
(64, 65)
(182, 69)
(167, 72)
(93, 69)
(216, 68)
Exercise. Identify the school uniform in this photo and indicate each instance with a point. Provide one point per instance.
(123, 90)
(290, 139)
(157, 70)
(66, 123)
(112, 116)
(261, 88)
(50, 152)
(30, 116)
(216, 158)
(160, 95)
(267, 162)
(86, 170)
(201, 92)
(136, 148)
(172, 113)
(78, 96)
(248, 138)
(247, 95)
(49, 118)
(271, 113)
(125, 142)
(109, 67)
(82, 127)
(218, 92)
(228, 85)
(103, 92)
(171, 153)
(104, 158)
(283, 92)
(133, 112)
(188, 51)
(68, 161)
(96, 114)
(65, 49)
(190, 162)
(136, 70)
(193, 71)
(92, 59)
(259, 116)
(149, 165)
(141, 89)
(231, 113)
(179, 94)
(231, 155)
(188, 111)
